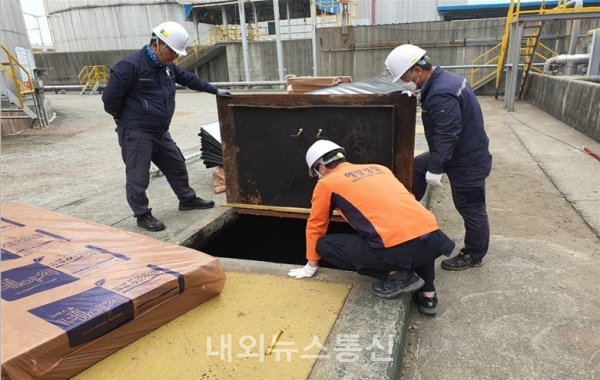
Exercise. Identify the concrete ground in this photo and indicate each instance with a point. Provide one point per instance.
(532, 311)
(75, 168)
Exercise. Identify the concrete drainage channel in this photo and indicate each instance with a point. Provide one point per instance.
(271, 245)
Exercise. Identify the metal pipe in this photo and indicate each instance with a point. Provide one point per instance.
(373, 12)
(257, 83)
(457, 67)
(313, 18)
(63, 87)
(217, 84)
(224, 16)
(244, 40)
(574, 28)
(278, 39)
(564, 59)
(287, 6)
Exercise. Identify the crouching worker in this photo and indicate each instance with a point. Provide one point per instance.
(398, 239)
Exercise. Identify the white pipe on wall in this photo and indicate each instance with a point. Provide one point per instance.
(562, 60)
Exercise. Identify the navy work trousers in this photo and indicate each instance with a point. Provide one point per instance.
(139, 149)
(468, 193)
(353, 253)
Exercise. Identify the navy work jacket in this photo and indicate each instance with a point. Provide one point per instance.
(453, 122)
(141, 94)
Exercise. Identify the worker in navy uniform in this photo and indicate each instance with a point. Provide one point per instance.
(140, 95)
(458, 145)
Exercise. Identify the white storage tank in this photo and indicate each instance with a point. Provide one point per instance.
(92, 25)
(13, 33)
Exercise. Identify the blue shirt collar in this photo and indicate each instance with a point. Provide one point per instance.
(152, 56)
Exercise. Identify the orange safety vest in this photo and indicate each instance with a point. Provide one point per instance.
(373, 201)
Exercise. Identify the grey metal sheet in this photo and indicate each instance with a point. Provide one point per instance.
(376, 85)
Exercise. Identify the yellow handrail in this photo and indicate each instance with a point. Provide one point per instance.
(92, 75)
(22, 88)
(222, 33)
(474, 82)
(513, 14)
(552, 52)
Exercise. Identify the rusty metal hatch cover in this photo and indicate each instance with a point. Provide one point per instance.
(265, 139)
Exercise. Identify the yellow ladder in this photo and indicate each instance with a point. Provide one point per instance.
(530, 48)
(93, 77)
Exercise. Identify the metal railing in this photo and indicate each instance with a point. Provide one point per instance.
(331, 16)
(23, 88)
(92, 77)
(484, 59)
(532, 47)
(332, 13)
(220, 34)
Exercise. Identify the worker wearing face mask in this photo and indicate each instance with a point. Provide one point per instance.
(458, 145)
(398, 239)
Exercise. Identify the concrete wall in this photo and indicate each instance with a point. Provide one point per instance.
(444, 42)
(215, 70)
(447, 43)
(63, 68)
(297, 60)
(574, 102)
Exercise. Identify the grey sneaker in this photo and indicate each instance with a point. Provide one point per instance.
(460, 262)
(396, 284)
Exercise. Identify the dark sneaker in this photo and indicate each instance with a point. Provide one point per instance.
(426, 305)
(196, 203)
(460, 262)
(396, 284)
(150, 223)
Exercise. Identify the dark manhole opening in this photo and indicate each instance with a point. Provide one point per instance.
(266, 238)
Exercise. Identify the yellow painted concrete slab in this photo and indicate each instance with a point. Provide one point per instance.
(209, 341)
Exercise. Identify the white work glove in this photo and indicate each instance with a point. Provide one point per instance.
(433, 179)
(304, 272)
(407, 93)
(223, 93)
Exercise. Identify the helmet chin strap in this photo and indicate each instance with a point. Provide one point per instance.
(158, 44)
(318, 173)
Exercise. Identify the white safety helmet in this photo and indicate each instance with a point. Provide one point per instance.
(174, 35)
(403, 58)
(317, 151)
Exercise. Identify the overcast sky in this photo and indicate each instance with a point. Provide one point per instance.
(36, 7)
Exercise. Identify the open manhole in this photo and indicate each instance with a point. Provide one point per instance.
(266, 238)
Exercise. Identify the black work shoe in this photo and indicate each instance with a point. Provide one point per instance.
(426, 305)
(460, 262)
(396, 284)
(150, 223)
(196, 203)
